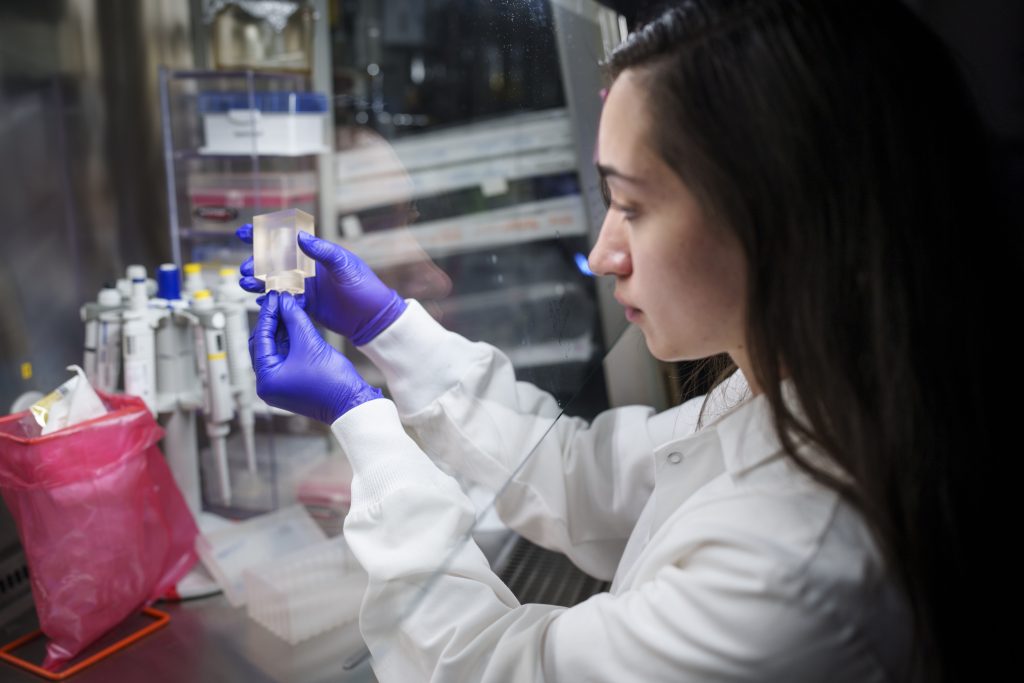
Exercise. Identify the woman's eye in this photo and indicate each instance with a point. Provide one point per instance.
(628, 212)
(606, 193)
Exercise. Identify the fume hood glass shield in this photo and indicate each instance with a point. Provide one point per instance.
(464, 177)
(464, 171)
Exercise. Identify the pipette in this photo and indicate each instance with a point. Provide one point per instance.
(212, 363)
(179, 395)
(139, 347)
(231, 298)
(175, 344)
(193, 279)
(101, 356)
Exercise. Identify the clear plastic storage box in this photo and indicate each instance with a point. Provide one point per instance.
(267, 123)
(220, 202)
(307, 592)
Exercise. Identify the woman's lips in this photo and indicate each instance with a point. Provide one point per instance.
(632, 312)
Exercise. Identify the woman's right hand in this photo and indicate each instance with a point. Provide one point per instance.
(345, 295)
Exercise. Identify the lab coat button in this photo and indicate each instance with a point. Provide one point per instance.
(675, 457)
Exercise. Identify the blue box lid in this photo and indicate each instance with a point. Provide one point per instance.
(271, 102)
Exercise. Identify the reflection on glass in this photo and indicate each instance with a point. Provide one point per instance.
(408, 67)
(483, 223)
(460, 181)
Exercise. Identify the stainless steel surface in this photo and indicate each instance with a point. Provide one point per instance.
(15, 594)
(81, 188)
(208, 641)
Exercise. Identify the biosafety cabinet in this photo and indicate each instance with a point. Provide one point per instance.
(448, 143)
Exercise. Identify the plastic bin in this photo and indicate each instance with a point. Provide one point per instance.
(326, 491)
(308, 592)
(227, 553)
(267, 123)
(220, 202)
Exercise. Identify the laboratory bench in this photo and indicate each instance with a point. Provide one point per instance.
(209, 641)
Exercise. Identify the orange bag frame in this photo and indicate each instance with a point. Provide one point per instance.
(160, 620)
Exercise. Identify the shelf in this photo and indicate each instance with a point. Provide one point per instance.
(207, 75)
(191, 233)
(487, 157)
(515, 295)
(193, 153)
(578, 350)
(510, 137)
(491, 175)
(547, 219)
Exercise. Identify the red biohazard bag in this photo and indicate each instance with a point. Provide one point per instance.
(104, 527)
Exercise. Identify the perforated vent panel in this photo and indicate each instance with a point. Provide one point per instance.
(542, 576)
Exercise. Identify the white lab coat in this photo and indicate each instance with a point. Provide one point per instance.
(727, 562)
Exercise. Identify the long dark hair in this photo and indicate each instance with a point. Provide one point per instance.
(839, 143)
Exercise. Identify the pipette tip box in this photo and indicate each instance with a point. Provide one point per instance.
(307, 592)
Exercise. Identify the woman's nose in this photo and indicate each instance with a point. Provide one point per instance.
(610, 255)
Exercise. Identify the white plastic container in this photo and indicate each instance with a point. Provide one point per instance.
(308, 592)
(265, 123)
(227, 553)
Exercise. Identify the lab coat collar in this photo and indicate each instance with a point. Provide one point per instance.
(738, 424)
(748, 438)
(738, 439)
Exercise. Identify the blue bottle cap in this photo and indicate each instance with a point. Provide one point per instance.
(168, 281)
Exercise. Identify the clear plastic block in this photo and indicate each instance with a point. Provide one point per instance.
(307, 592)
(277, 259)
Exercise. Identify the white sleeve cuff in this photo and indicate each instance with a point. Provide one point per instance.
(420, 359)
(383, 457)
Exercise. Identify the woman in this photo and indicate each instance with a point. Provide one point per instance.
(789, 186)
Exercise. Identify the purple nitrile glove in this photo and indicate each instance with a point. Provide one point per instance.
(297, 370)
(345, 295)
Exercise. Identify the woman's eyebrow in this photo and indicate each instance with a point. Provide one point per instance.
(607, 171)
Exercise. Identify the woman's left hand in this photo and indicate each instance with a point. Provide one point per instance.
(297, 370)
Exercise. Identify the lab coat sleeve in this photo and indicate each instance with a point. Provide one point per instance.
(434, 611)
(582, 486)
